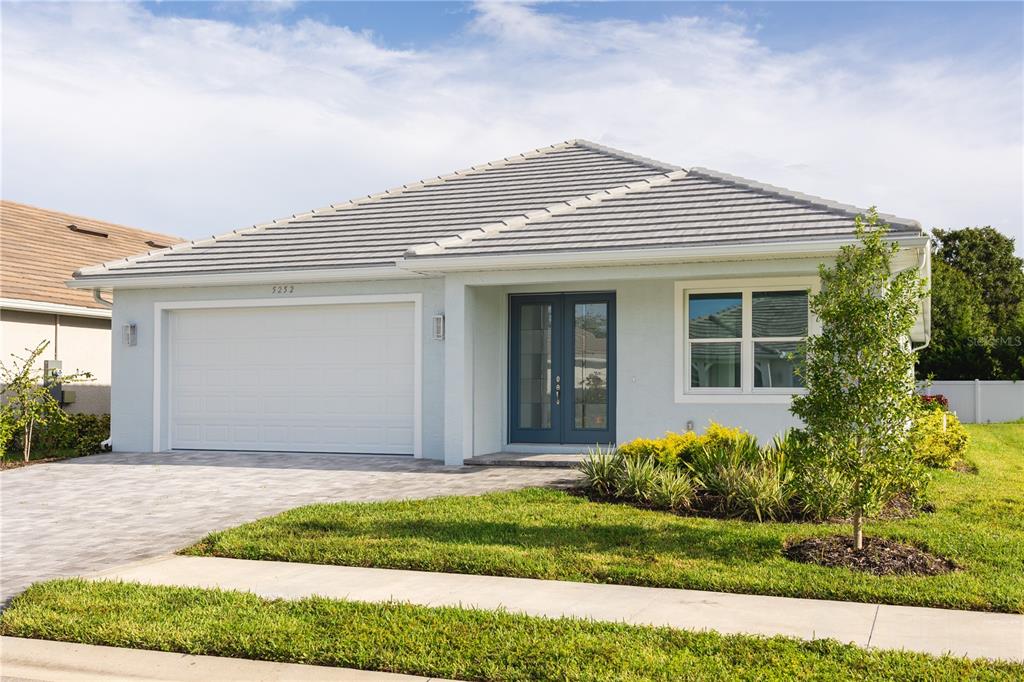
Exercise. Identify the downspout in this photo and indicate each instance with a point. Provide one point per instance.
(98, 297)
(926, 311)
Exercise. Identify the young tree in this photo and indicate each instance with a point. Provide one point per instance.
(859, 374)
(27, 400)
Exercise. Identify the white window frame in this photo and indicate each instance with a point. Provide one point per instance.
(746, 393)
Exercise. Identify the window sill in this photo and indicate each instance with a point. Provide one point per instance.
(736, 398)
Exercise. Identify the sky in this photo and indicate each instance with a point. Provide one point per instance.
(198, 118)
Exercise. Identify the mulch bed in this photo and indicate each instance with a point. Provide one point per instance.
(880, 556)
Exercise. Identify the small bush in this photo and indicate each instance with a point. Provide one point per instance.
(678, 449)
(81, 433)
(934, 402)
(672, 489)
(820, 492)
(636, 480)
(743, 479)
(645, 448)
(601, 469)
(940, 440)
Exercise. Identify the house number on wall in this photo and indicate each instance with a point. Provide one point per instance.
(282, 289)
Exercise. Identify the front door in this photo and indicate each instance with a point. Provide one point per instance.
(562, 368)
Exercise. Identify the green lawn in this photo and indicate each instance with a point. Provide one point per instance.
(538, 533)
(443, 642)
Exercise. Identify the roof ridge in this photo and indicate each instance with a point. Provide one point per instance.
(394, 191)
(439, 245)
(793, 195)
(636, 158)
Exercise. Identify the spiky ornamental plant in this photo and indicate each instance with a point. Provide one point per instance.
(859, 374)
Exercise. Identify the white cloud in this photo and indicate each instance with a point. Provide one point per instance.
(200, 126)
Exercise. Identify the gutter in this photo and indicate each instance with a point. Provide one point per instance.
(241, 278)
(53, 308)
(444, 264)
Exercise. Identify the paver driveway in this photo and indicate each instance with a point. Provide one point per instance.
(83, 515)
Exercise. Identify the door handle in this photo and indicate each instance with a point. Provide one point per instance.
(558, 390)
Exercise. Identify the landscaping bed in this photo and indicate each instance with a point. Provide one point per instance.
(444, 642)
(880, 556)
(978, 524)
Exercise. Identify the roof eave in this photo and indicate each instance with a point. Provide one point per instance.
(282, 276)
(793, 249)
(28, 306)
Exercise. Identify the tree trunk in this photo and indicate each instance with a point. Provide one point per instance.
(858, 530)
(26, 447)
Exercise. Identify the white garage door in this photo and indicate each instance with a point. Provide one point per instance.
(324, 378)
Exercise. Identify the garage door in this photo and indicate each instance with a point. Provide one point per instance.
(324, 378)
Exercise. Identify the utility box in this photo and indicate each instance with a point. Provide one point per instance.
(51, 379)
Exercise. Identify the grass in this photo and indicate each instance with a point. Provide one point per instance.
(540, 533)
(443, 642)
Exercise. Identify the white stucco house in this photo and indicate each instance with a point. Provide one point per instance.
(548, 301)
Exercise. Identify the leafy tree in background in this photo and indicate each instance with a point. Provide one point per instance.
(962, 333)
(859, 374)
(970, 264)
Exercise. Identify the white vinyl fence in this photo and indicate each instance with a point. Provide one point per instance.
(981, 401)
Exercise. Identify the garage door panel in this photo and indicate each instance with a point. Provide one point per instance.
(336, 378)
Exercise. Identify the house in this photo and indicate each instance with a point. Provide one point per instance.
(564, 297)
(39, 249)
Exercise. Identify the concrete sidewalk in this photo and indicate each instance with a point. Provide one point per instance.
(38, 660)
(933, 631)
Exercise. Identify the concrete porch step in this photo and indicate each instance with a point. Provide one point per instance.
(523, 459)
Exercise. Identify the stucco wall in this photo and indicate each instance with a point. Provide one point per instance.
(132, 394)
(647, 349)
(645, 369)
(80, 343)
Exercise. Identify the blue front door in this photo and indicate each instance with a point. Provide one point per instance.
(562, 368)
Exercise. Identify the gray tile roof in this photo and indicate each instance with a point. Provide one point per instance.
(699, 207)
(575, 195)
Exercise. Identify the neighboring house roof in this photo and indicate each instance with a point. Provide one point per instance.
(575, 196)
(39, 249)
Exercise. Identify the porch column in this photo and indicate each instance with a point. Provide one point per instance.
(458, 371)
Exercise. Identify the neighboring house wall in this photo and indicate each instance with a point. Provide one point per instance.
(979, 402)
(80, 343)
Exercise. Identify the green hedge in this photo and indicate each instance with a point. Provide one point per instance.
(81, 433)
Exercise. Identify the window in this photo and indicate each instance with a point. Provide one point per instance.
(742, 340)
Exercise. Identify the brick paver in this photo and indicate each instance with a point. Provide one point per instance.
(83, 515)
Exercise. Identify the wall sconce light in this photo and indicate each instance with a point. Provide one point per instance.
(129, 334)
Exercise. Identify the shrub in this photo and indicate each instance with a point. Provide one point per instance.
(934, 402)
(940, 440)
(93, 429)
(645, 448)
(637, 478)
(81, 433)
(718, 435)
(672, 489)
(677, 449)
(601, 469)
(744, 479)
